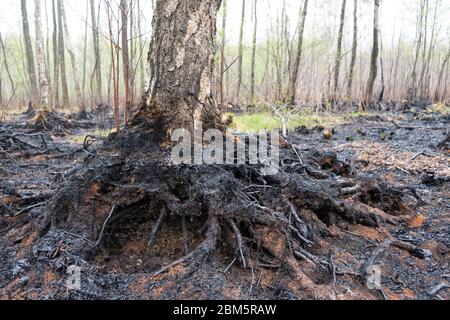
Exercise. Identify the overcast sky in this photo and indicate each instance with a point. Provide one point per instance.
(396, 16)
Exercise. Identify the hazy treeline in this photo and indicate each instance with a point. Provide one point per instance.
(303, 51)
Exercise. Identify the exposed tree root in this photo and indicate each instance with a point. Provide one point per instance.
(297, 206)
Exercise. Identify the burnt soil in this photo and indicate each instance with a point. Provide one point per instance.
(373, 193)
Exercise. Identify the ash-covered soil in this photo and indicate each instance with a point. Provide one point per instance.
(410, 245)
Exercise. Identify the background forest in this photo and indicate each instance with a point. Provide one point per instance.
(268, 52)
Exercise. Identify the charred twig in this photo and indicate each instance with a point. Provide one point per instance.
(105, 224)
(202, 251)
(378, 251)
(156, 228)
(79, 237)
(239, 240)
(29, 208)
(185, 235)
(435, 291)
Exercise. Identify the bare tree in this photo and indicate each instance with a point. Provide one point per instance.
(6, 66)
(40, 55)
(62, 56)
(418, 49)
(222, 57)
(241, 54)
(445, 62)
(29, 52)
(124, 9)
(96, 43)
(141, 45)
(55, 56)
(85, 55)
(74, 64)
(296, 69)
(354, 50)
(375, 52)
(255, 30)
(337, 61)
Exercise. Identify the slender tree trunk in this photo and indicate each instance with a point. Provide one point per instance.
(417, 53)
(6, 65)
(296, 69)
(241, 54)
(141, 47)
(62, 56)
(383, 84)
(354, 51)
(73, 61)
(337, 61)
(375, 52)
(222, 57)
(1, 94)
(47, 53)
(180, 94)
(55, 57)
(438, 95)
(34, 92)
(133, 50)
(252, 73)
(85, 56)
(96, 43)
(40, 55)
(125, 57)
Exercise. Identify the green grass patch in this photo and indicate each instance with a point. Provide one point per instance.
(98, 133)
(268, 121)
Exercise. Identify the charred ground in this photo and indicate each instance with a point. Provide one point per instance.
(374, 193)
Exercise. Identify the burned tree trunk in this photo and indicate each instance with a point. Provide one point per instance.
(128, 183)
(179, 93)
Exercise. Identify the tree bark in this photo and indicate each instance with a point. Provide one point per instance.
(296, 69)
(40, 55)
(375, 52)
(29, 52)
(180, 60)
